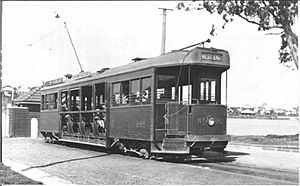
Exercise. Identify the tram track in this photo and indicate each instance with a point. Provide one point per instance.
(278, 174)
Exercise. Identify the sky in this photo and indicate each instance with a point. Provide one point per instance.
(36, 46)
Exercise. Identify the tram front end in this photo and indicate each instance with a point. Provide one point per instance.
(195, 128)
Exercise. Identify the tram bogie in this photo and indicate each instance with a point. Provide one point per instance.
(167, 105)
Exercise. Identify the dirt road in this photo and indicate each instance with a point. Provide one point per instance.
(84, 166)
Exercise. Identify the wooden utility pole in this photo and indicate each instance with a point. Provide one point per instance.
(1, 81)
(163, 39)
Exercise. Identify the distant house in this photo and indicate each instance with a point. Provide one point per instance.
(24, 112)
(292, 112)
(280, 112)
(234, 110)
(31, 99)
(248, 110)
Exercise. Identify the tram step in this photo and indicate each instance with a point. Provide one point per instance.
(174, 144)
(175, 135)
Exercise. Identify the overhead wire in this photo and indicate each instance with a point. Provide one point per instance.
(62, 52)
(46, 35)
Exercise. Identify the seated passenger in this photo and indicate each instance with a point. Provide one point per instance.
(64, 107)
(125, 99)
(69, 124)
(74, 108)
(145, 95)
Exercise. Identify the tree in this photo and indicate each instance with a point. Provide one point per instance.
(266, 14)
(13, 91)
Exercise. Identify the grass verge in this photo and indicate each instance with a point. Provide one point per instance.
(10, 177)
(271, 139)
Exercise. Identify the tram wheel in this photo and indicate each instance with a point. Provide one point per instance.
(144, 153)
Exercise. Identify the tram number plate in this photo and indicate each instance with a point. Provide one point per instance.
(215, 57)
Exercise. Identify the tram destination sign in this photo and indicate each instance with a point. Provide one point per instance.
(54, 82)
(82, 75)
(209, 56)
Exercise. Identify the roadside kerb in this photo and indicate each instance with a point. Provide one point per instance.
(294, 149)
(35, 174)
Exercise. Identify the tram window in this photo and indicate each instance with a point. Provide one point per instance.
(49, 101)
(86, 98)
(164, 86)
(116, 93)
(55, 100)
(202, 91)
(45, 106)
(52, 101)
(213, 91)
(186, 93)
(43, 102)
(75, 100)
(135, 91)
(173, 94)
(146, 90)
(99, 95)
(46, 102)
(208, 90)
(64, 100)
(125, 92)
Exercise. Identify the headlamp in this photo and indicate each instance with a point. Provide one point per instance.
(211, 121)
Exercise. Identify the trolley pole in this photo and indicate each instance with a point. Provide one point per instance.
(1, 81)
(163, 39)
(81, 70)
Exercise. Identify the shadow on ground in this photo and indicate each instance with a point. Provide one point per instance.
(207, 157)
(64, 161)
(211, 157)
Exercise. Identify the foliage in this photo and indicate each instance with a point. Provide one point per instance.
(266, 14)
(11, 90)
(287, 142)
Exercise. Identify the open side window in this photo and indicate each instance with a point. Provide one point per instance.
(125, 92)
(116, 91)
(207, 90)
(86, 98)
(135, 91)
(100, 96)
(75, 100)
(64, 100)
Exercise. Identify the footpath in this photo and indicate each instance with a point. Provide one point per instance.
(283, 148)
(35, 174)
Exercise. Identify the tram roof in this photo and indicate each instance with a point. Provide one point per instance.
(174, 58)
(170, 59)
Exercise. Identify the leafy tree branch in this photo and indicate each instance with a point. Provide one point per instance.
(266, 14)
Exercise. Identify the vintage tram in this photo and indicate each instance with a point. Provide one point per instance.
(165, 105)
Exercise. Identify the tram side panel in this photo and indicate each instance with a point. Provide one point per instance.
(130, 123)
(49, 121)
(200, 118)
